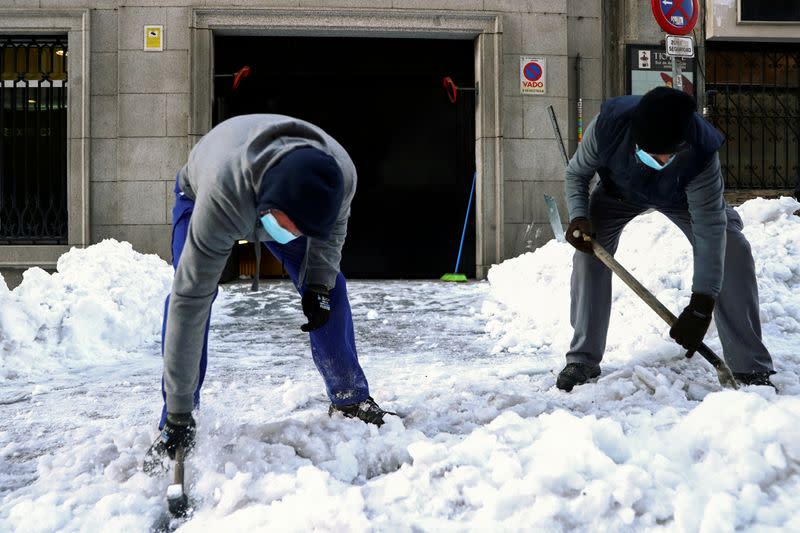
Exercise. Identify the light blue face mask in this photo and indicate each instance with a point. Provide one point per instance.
(651, 161)
(280, 234)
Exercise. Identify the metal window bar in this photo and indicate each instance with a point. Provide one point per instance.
(754, 97)
(33, 140)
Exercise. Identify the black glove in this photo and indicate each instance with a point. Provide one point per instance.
(584, 227)
(693, 322)
(179, 431)
(316, 307)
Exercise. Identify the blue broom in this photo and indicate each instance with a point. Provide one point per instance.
(455, 276)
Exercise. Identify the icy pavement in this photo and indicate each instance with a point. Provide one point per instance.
(485, 442)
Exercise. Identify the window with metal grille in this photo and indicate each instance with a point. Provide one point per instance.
(33, 140)
(754, 99)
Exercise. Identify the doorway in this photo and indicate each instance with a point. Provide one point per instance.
(383, 100)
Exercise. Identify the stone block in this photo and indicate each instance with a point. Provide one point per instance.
(77, 187)
(201, 99)
(486, 124)
(154, 72)
(150, 159)
(141, 202)
(239, 3)
(591, 78)
(103, 122)
(513, 200)
(177, 115)
(142, 115)
(78, 4)
(527, 6)
(177, 28)
(104, 30)
(591, 108)
(487, 203)
(104, 160)
(460, 5)
(585, 8)
(536, 121)
(169, 195)
(544, 34)
(532, 160)
(104, 205)
(21, 3)
(510, 75)
(78, 84)
(585, 37)
(145, 239)
(370, 4)
(512, 117)
(514, 240)
(535, 208)
(132, 21)
(103, 72)
(512, 33)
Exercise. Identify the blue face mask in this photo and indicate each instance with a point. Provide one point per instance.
(280, 234)
(650, 161)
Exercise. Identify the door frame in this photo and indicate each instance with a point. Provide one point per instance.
(484, 28)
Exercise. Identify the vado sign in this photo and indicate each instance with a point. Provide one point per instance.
(676, 17)
(532, 75)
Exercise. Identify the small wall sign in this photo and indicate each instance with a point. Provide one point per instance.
(532, 75)
(153, 38)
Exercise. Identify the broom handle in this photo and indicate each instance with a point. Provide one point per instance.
(466, 219)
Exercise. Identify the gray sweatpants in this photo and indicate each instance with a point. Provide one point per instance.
(736, 312)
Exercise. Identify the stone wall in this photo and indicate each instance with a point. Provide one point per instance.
(141, 102)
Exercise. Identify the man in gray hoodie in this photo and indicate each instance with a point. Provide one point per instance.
(287, 183)
(655, 152)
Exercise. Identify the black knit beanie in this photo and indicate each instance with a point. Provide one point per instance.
(308, 186)
(662, 119)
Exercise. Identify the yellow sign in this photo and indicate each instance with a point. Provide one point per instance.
(154, 38)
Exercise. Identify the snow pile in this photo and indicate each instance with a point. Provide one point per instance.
(485, 441)
(730, 463)
(103, 301)
(535, 286)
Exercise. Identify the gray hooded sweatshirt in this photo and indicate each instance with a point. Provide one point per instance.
(223, 176)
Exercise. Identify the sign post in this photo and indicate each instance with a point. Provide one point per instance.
(676, 17)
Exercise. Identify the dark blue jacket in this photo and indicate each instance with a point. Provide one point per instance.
(693, 181)
(624, 175)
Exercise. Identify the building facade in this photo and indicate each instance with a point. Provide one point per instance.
(104, 99)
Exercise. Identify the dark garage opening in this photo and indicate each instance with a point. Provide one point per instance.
(383, 100)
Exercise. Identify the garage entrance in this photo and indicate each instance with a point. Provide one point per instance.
(383, 100)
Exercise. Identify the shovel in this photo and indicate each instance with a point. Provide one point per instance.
(724, 373)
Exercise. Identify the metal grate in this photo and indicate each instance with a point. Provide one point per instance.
(754, 99)
(33, 140)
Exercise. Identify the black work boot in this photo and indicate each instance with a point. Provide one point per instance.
(368, 411)
(576, 374)
(755, 378)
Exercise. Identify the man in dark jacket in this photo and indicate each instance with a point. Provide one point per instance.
(272, 179)
(656, 152)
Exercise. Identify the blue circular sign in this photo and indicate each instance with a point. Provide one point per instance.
(676, 17)
(532, 71)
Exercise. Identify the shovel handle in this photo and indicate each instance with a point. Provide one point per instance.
(723, 372)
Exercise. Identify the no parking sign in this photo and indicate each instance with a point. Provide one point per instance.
(532, 75)
(676, 17)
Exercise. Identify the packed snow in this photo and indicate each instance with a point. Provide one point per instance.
(100, 305)
(483, 442)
